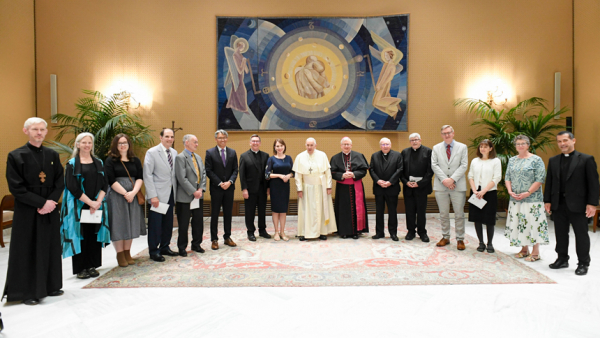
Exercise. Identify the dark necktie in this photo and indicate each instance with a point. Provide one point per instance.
(170, 158)
(223, 156)
(448, 151)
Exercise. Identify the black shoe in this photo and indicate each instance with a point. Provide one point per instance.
(31, 302)
(490, 248)
(581, 270)
(168, 252)
(323, 237)
(301, 238)
(559, 264)
(481, 247)
(424, 238)
(395, 238)
(344, 236)
(83, 274)
(56, 293)
(410, 236)
(93, 272)
(251, 238)
(378, 236)
(157, 257)
(355, 236)
(182, 253)
(264, 234)
(197, 249)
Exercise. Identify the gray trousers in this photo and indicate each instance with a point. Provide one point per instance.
(458, 199)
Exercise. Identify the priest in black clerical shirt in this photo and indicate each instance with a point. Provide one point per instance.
(348, 168)
(416, 178)
(571, 195)
(35, 178)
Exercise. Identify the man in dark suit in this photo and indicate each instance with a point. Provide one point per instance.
(571, 195)
(385, 170)
(416, 178)
(254, 187)
(222, 170)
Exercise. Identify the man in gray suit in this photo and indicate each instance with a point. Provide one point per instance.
(449, 161)
(191, 184)
(161, 187)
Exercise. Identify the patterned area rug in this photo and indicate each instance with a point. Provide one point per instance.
(335, 262)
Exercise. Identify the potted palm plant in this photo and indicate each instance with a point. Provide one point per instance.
(530, 117)
(104, 117)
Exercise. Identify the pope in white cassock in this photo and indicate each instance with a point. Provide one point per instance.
(312, 172)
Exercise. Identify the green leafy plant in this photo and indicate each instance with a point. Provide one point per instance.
(105, 117)
(530, 117)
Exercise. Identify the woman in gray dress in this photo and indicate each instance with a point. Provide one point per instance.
(126, 215)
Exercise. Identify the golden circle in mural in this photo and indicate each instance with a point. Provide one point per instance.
(358, 58)
(293, 105)
(286, 76)
(341, 46)
(300, 39)
(326, 109)
(345, 76)
(273, 79)
(314, 45)
(316, 103)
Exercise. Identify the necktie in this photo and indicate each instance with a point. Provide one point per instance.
(170, 158)
(196, 167)
(223, 156)
(448, 151)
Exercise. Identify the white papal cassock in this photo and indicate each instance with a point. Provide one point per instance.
(315, 209)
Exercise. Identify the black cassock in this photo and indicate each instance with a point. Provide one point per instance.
(34, 262)
(345, 206)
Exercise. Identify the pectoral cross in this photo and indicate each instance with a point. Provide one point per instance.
(42, 176)
(310, 171)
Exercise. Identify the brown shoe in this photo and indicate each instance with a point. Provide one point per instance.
(230, 242)
(460, 245)
(215, 245)
(443, 242)
(121, 260)
(128, 257)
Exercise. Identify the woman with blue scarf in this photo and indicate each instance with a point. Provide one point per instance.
(85, 188)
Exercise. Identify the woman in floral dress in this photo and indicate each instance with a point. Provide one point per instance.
(526, 222)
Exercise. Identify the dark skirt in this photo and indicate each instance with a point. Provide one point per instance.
(280, 195)
(487, 215)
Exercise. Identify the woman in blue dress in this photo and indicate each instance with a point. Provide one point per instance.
(279, 171)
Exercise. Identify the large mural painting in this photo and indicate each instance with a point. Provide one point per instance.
(312, 73)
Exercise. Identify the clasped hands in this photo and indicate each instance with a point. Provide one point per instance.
(520, 196)
(384, 184)
(449, 183)
(479, 194)
(348, 174)
(48, 207)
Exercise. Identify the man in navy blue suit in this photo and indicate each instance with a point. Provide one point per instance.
(222, 170)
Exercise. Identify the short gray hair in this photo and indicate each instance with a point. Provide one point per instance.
(446, 126)
(385, 138)
(311, 139)
(34, 120)
(522, 138)
(221, 131)
(186, 137)
(416, 135)
(343, 138)
(78, 140)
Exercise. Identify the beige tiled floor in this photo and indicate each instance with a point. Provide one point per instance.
(570, 308)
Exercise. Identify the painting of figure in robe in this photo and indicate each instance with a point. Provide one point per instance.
(311, 80)
(238, 66)
(390, 57)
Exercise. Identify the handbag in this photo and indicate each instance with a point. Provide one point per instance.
(140, 197)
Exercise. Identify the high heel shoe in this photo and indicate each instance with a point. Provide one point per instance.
(277, 237)
(284, 237)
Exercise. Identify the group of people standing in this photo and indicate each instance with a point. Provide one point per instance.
(102, 201)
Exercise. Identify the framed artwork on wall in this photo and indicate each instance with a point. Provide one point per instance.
(322, 73)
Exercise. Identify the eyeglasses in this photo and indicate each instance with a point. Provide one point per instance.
(221, 138)
(123, 144)
(521, 144)
(448, 133)
(415, 140)
(254, 141)
(385, 144)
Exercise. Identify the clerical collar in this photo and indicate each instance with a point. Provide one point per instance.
(385, 154)
(569, 154)
(34, 148)
(415, 149)
(256, 152)
(348, 154)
